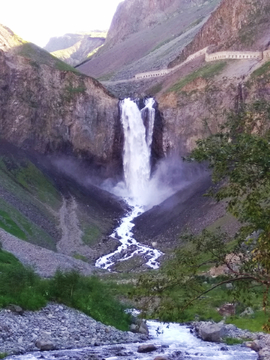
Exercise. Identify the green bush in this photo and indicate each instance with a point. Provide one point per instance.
(21, 286)
(90, 295)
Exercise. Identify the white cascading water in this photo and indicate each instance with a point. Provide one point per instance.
(137, 172)
(137, 148)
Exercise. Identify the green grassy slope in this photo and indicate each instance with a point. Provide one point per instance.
(31, 195)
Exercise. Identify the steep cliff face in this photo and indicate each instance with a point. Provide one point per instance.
(235, 25)
(47, 106)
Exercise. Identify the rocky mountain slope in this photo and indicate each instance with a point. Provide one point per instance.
(147, 35)
(194, 98)
(46, 105)
(235, 25)
(75, 48)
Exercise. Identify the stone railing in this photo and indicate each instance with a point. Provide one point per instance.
(234, 55)
(197, 54)
(150, 74)
(221, 55)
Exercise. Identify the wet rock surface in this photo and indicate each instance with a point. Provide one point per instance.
(56, 327)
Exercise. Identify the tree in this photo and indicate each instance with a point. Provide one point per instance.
(239, 156)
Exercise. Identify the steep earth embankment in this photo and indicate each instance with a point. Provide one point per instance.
(147, 35)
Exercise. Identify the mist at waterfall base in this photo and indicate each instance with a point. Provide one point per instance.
(171, 175)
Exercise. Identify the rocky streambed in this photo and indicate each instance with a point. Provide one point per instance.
(59, 332)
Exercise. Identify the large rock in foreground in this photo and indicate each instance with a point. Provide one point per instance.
(211, 332)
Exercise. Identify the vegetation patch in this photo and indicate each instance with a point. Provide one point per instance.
(262, 71)
(10, 226)
(80, 257)
(3, 355)
(15, 223)
(61, 65)
(71, 91)
(40, 56)
(206, 72)
(91, 234)
(21, 286)
(254, 323)
(28, 176)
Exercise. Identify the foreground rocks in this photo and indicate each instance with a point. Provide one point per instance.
(209, 331)
(56, 327)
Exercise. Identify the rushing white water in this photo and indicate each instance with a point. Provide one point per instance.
(137, 148)
(129, 246)
(137, 172)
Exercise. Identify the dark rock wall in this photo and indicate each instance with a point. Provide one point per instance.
(48, 110)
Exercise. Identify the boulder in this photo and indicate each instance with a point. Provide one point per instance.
(16, 309)
(44, 344)
(146, 348)
(139, 326)
(211, 332)
(254, 345)
(161, 357)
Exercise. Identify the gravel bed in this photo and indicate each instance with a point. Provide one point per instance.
(59, 327)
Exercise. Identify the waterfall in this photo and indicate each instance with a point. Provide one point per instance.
(137, 147)
(138, 126)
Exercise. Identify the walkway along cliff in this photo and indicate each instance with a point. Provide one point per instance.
(230, 55)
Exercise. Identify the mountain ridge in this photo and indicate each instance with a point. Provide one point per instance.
(75, 48)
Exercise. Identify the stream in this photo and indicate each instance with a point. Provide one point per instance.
(129, 246)
(174, 341)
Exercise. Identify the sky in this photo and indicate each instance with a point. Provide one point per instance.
(39, 20)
